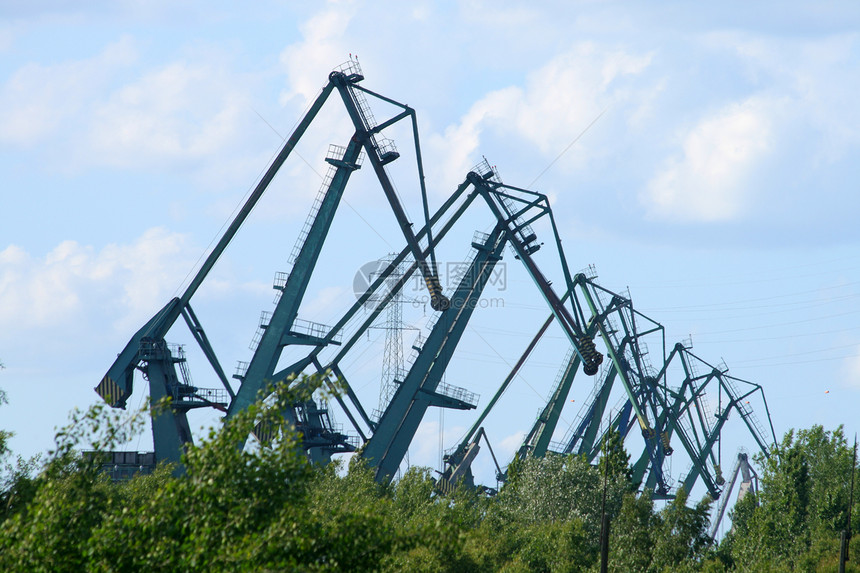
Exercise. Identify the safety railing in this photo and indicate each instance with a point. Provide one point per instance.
(457, 393)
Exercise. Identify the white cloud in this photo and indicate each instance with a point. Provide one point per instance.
(8, 35)
(821, 77)
(498, 16)
(424, 448)
(422, 12)
(456, 147)
(322, 46)
(510, 444)
(37, 101)
(789, 128)
(325, 302)
(557, 103)
(73, 283)
(568, 93)
(710, 180)
(180, 111)
(188, 112)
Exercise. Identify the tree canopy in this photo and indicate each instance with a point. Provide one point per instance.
(794, 522)
(268, 508)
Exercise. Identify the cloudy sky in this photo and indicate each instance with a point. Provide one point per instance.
(703, 156)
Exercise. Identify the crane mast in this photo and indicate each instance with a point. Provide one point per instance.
(421, 388)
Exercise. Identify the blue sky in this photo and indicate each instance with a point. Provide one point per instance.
(717, 182)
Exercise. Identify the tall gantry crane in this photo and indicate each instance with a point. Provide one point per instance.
(618, 325)
(749, 482)
(666, 407)
(514, 210)
(673, 401)
(147, 350)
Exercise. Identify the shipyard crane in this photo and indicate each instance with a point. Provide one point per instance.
(624, 365)
(388, 438)
(749, 482)
(514, 210)
(421, 387)
(147, 349)
(625, 331)
(680, 411)
(380, 151)
(459, 461)
(689, 414)
(674, 411)
(331, 368)
(583, 310)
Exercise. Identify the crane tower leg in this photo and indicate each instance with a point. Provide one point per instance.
(387, 447)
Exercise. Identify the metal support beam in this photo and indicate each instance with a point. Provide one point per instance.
(353, 100)
(262, 365)
(388, 445)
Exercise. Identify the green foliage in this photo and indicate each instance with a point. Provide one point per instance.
(18, 486)
(268, 508)
(631, 539)
(4, 436)
(672, 539)
(48, 520)
(546, 517)
(559, 488)
(679, 534)
(234, 509)
(795, 521)
(614, 459)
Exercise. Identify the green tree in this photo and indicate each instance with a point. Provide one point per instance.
(17, 484)
(681, 537)
(557, 488)
(795, 521)
(263, 508)
(4, 435)
(672, 539)
(547, 516)
(268, 508)
(49, 519)
(615, 460)
(632, 531)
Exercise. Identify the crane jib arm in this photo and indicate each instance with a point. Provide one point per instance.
(116, 386)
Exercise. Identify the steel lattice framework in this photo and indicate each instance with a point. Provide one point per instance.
(663, 392)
